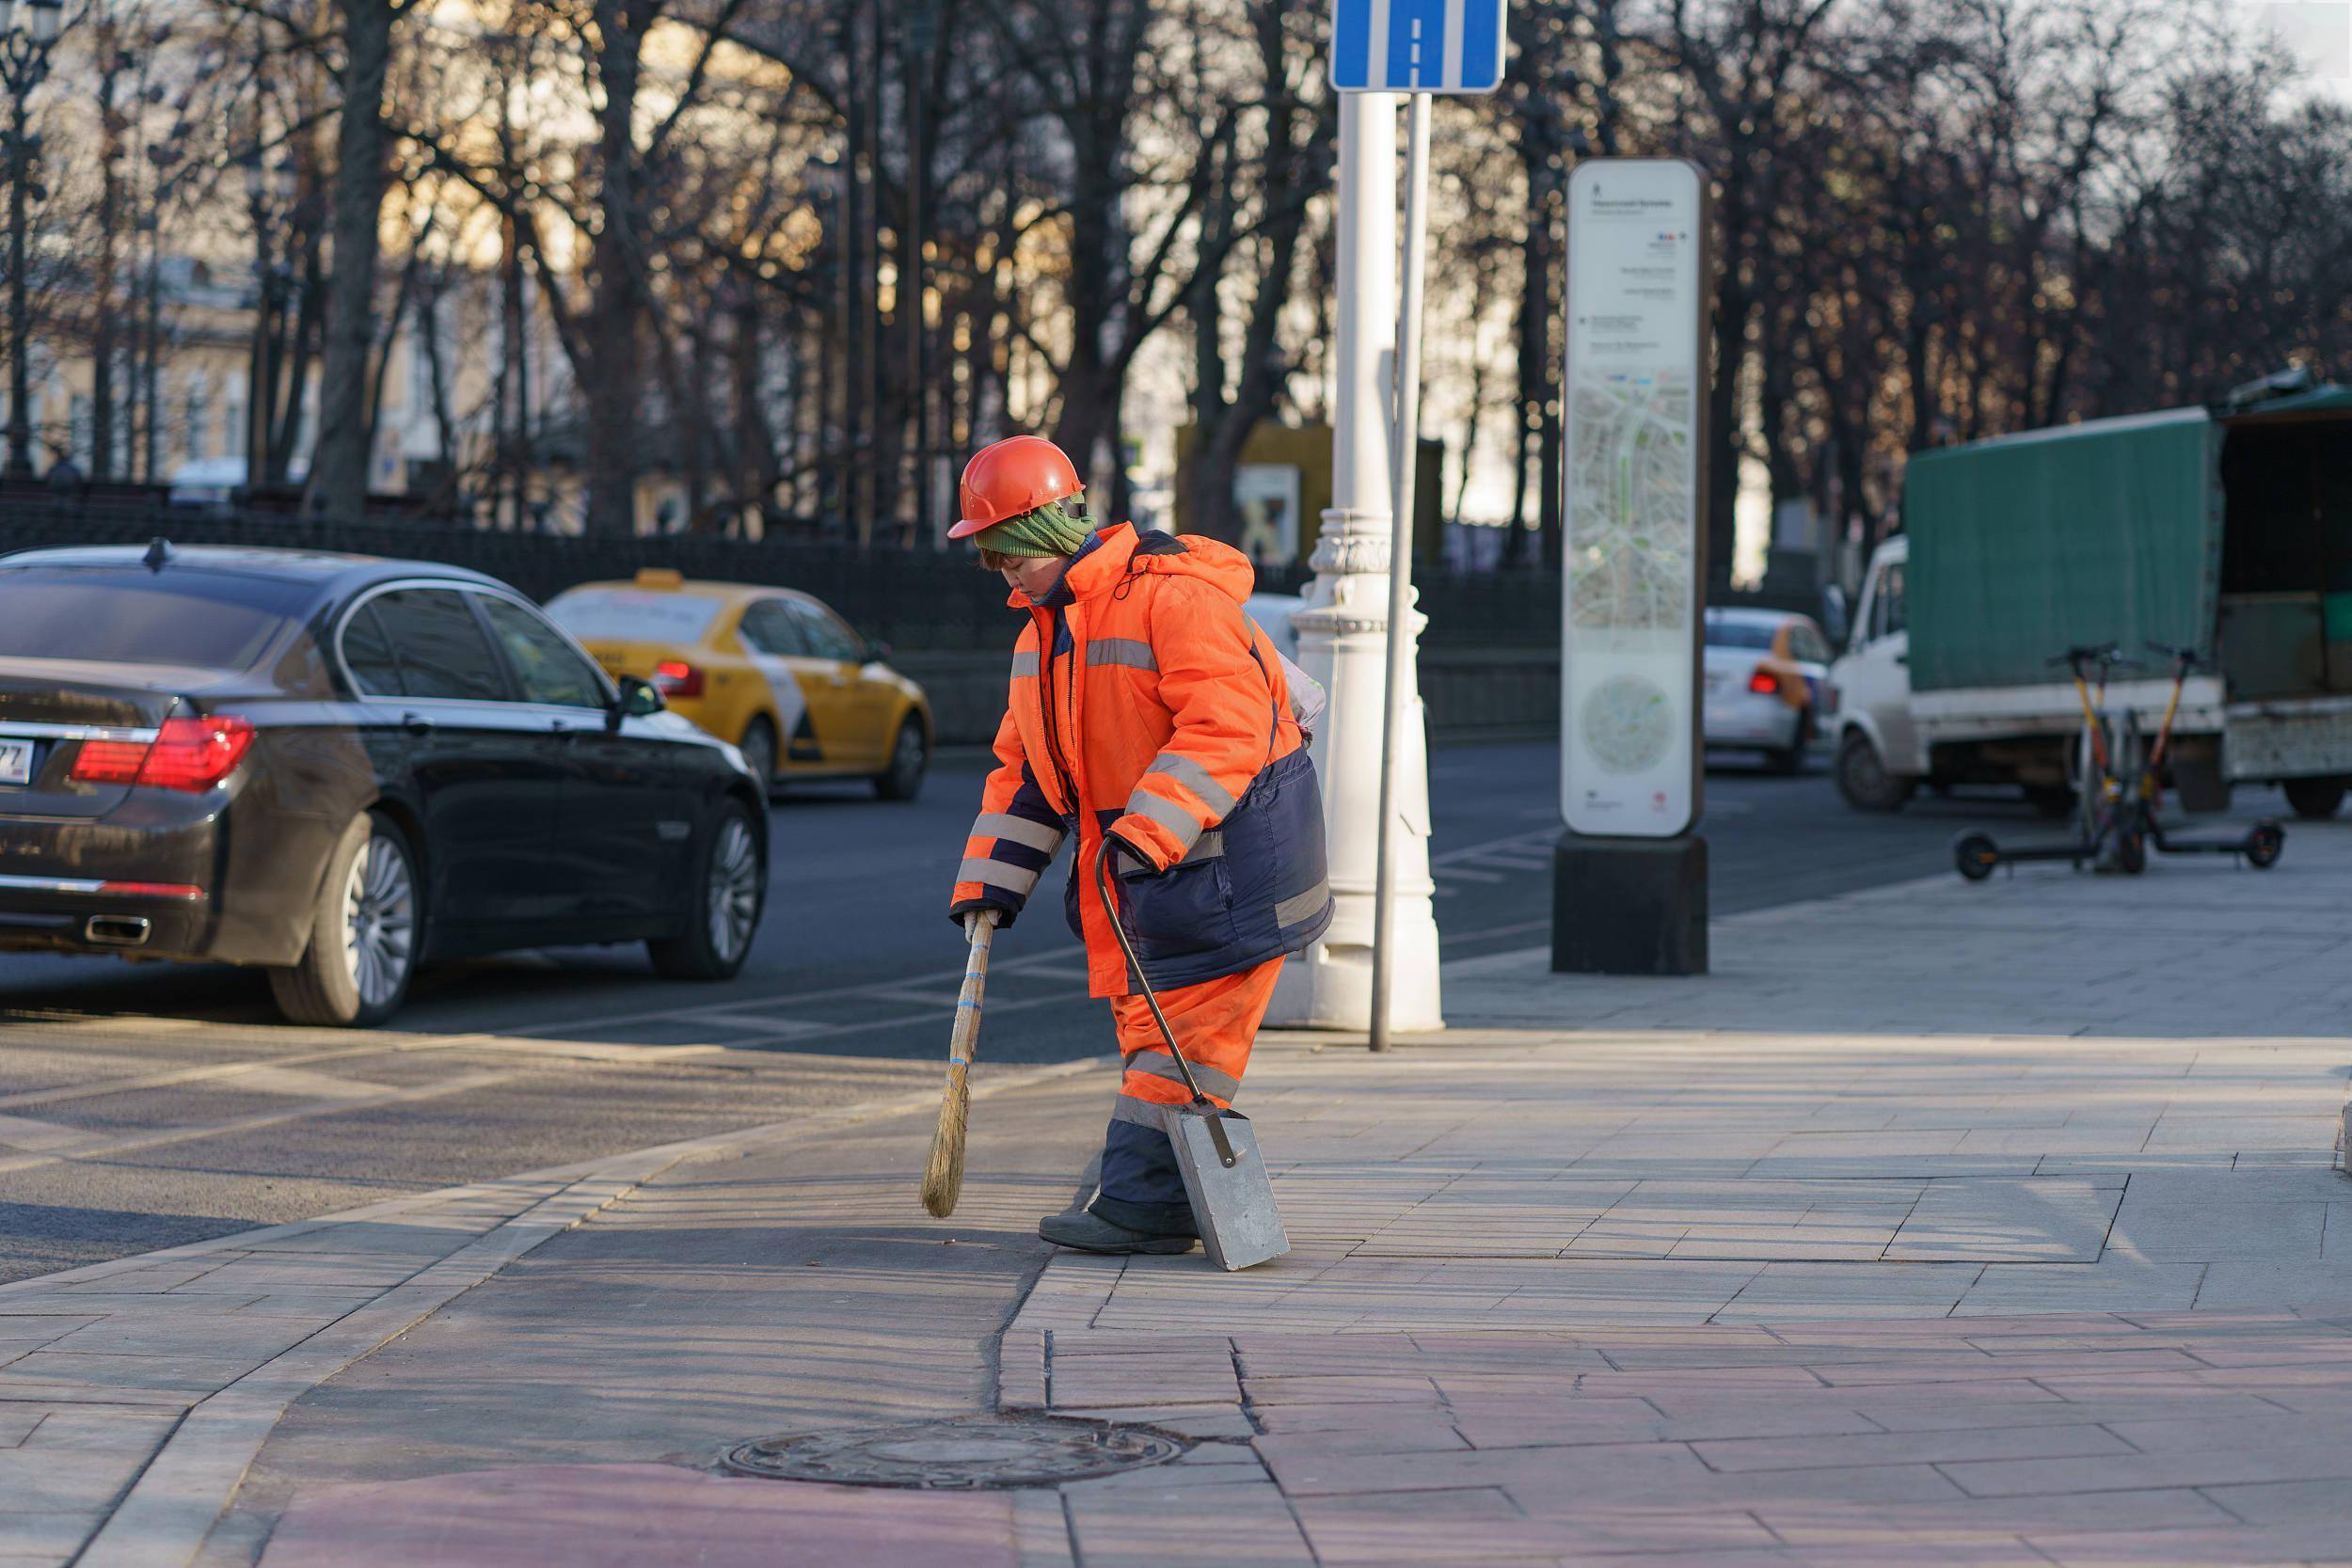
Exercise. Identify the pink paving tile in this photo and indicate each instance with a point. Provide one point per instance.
(2288, 1456)
(1636, 1420)
(2246, 1546)
(1343, 1417)
(1478, 1526)
(1574, 1486)
(1911, 1414)
(1810, 1522)
(1428, 1434)
(1640, 1472)
(1338, 1390)
(2288, 1502)
(1770, 1454)
(630, 1515)
(1971, 1366)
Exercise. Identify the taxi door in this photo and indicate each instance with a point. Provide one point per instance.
(850, 710)
(772, 640)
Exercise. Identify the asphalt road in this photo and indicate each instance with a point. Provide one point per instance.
(145, 1105)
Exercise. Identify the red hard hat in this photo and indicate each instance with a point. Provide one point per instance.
(1007, 477)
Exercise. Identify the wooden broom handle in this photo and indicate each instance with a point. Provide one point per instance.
(967, 1029)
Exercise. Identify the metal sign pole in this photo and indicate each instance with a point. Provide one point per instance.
(1403, 452)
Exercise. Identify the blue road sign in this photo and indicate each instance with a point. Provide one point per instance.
(1417, 45)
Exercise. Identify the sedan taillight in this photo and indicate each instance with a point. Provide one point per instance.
(1764, 682)
(187, 754)
(675, 678)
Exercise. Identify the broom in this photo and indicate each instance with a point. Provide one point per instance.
(942, 1178)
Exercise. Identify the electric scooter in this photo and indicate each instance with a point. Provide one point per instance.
(2106, 820)
(2259, 846)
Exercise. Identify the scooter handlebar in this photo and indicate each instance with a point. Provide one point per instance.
(2187, 658)
(2095, 653)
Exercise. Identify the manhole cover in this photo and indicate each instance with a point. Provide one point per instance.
(965, 1453)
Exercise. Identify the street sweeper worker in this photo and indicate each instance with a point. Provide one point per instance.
(1150, 715)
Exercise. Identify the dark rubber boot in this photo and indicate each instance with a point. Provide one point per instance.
(1083, 1232)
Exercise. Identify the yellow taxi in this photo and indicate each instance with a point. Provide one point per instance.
(774, 671)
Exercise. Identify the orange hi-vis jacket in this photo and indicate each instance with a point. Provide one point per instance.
(1145, 703)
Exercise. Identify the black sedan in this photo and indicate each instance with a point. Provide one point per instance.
(335, 768)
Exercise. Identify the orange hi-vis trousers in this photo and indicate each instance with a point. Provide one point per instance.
(1217, 1023)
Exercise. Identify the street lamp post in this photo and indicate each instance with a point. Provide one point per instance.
(921, 19)
(24, 63)
(268, 191)
(1343, 634)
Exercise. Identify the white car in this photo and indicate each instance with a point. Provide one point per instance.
(1272, 613)
(1768, 686)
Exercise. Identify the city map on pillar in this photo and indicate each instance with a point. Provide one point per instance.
(1630, 616)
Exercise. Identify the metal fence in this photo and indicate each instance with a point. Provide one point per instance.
(911, 601)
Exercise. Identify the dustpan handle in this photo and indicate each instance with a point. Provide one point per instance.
(1135, 967)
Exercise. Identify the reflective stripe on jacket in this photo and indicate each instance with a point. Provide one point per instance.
(1145, 703)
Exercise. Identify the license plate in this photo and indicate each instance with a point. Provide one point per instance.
(16, 762)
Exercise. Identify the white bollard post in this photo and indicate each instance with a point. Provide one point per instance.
(1343, 632)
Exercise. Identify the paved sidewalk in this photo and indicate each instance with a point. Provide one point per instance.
(1942, 1224)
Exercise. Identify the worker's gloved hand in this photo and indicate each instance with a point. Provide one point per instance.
(1126, 860)
(971, 909)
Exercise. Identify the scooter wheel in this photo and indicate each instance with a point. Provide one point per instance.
(2130, 854)
(2263, 844)
(1973, 856)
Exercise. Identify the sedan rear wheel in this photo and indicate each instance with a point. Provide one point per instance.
(364, 932)
(732, 889)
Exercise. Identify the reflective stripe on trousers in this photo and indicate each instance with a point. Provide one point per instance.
(1216, 1022)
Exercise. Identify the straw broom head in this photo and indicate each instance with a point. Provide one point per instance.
(943, 1178)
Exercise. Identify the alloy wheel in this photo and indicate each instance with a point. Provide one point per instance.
(379, 921)
(734, 890)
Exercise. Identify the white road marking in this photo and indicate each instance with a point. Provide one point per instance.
(25, 1133)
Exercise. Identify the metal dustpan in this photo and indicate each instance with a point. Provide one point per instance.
(1216, 1149)
(1226, 1182)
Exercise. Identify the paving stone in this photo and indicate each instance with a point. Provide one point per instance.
(2283, 1502)
(1633, 1471)
(1207, 1422)
(1481, 1524)
(99, 1427)
(1243, 1525)
(2291, 1456)
(1915, 1448)
(1806, 1523)
(2247, 1546)
(2057, 1220)
(1270, 1392)
(595, 1515)
(43, 1537)
(45, 1481)
(2118, 1286)
(1196, 1377)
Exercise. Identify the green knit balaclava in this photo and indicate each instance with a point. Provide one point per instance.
(1054, 529)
